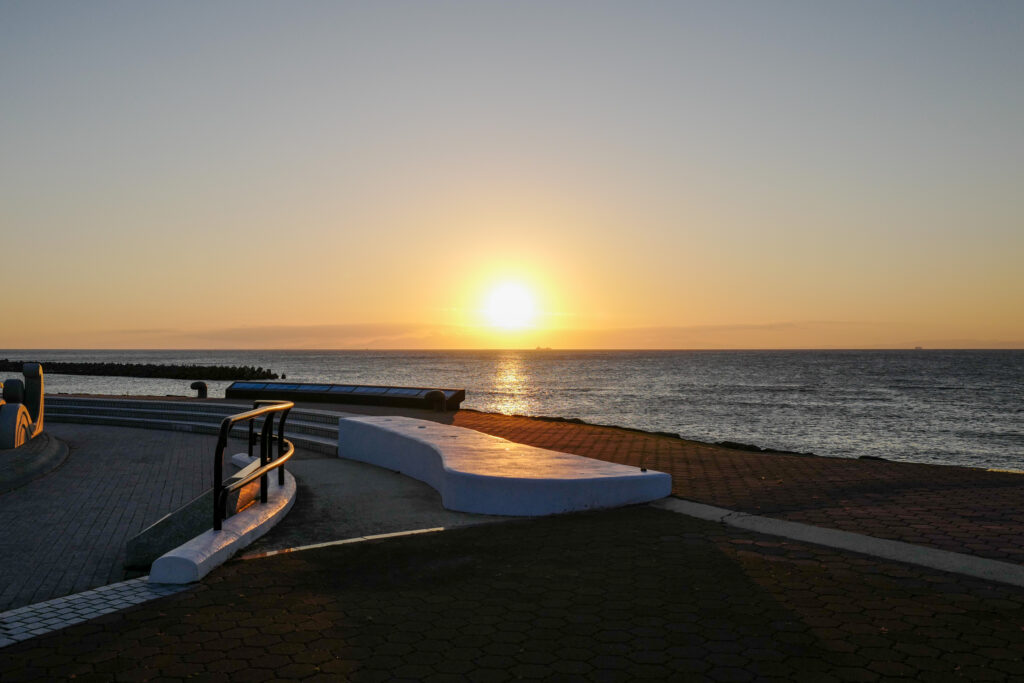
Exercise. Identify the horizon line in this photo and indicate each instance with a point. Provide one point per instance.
(531, 349)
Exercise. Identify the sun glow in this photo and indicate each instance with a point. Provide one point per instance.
(510, 306)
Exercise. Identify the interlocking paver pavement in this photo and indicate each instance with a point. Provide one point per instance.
(28, 621)
(66, 532)
(615, 595)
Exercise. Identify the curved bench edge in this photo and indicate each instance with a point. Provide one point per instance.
(520, 497)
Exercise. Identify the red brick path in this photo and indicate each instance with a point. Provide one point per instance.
(952, 508)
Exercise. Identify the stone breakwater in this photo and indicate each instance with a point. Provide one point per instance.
(149, 370)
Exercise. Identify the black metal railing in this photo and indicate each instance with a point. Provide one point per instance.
(222, 488)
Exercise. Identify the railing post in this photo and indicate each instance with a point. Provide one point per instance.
(280, 445)
(265, 434)
(218, 473)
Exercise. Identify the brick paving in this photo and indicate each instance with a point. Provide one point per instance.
(608, 596)
(36, 619)
(958, 509)
(65, 532)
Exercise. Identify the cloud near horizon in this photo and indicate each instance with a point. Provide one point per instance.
(781, 335)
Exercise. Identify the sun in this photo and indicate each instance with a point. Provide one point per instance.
(510, 306)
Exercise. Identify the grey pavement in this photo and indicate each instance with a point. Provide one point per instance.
(341, 499)
(29, 621)
(37, 458)
(65, 532)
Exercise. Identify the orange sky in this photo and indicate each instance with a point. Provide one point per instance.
(656, 176)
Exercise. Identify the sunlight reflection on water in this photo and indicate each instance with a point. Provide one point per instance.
(510, 388)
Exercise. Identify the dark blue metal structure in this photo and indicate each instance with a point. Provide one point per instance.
(354, 394)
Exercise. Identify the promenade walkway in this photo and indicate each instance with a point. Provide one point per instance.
(609, 596)
(615, 595)
(958, 509)
(65, 532)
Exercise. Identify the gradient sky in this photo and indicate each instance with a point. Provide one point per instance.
(659, 174)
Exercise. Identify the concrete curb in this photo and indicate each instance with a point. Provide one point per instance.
(932, 558)
(195, 559)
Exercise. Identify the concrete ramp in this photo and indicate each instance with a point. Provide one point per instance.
(476, 472)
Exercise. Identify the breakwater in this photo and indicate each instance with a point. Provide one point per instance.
(148, 370)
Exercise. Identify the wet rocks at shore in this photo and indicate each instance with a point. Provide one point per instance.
(737, 446)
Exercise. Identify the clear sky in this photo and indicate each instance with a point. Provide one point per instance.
(640, 174)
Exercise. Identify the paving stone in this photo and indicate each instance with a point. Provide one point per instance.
(966, 510)
(77, 532)
(745, 643)
(644, 592)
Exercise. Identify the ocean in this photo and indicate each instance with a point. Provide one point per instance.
(945, 407)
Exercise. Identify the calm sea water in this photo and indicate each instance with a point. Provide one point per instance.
(950, 407)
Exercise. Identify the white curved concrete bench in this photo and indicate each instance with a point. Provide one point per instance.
(476, 472)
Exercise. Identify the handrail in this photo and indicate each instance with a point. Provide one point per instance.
(285, 449)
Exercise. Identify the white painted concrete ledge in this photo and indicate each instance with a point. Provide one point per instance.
(480, 473)
(195, 559)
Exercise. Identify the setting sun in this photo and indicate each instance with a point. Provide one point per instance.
(510, 306)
